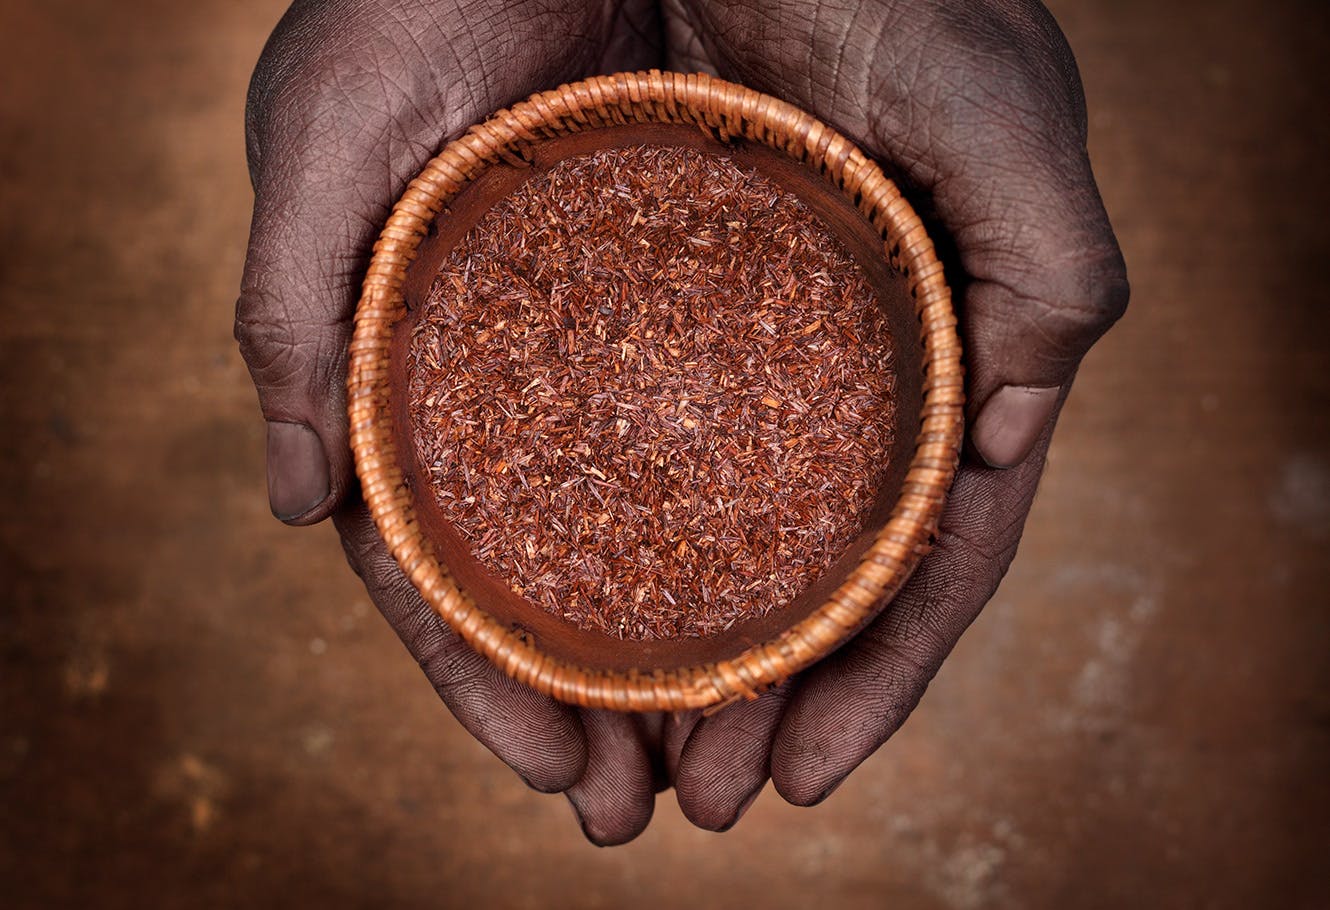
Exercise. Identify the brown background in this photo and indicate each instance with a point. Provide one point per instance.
(201, 708)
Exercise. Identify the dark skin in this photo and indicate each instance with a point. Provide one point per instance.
(976, 109)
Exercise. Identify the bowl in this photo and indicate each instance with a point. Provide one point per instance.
(853, 199)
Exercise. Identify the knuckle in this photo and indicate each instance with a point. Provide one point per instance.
(299, 349)
(1074, 299)
(321, 65)
(269, 347)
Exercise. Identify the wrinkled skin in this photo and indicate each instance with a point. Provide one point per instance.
(975, 108)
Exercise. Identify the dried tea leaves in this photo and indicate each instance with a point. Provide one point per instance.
(652, 392)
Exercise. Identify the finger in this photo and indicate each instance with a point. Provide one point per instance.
(539, 738)
(348, 102)
(678, 727)
(615, 797)
(1029, 318)
(978, 109)
(851, 703)
(727, 760)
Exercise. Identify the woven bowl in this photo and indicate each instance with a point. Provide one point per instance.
(853, 199)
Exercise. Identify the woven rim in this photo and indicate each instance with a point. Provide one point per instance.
(723, 110)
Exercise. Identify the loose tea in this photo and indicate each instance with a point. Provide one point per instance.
(652, 392)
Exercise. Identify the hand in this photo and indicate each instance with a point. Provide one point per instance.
(977, 110)
(348, 102)
(351, 99)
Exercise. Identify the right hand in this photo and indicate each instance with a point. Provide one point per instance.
(348, 102)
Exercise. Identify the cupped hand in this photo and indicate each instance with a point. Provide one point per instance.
(977, 110)
(350, 99)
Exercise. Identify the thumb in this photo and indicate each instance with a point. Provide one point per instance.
(978, 110)
(317, 198)
(294, 341)
(1045, 281)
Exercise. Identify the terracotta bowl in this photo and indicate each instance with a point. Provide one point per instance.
(855, 201)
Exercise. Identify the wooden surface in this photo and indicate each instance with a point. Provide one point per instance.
(199, 706)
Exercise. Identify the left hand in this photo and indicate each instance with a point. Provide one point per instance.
(977, 110)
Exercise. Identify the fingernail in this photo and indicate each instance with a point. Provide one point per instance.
(743, 808)
(1010, 422)
(297, 470)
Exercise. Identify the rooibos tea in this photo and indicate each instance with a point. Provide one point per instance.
(652, 392)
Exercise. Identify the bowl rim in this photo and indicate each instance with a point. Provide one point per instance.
(723, 110)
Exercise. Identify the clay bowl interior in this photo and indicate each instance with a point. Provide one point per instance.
(549, 633)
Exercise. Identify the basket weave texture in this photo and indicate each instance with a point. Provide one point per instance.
(723, 110)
